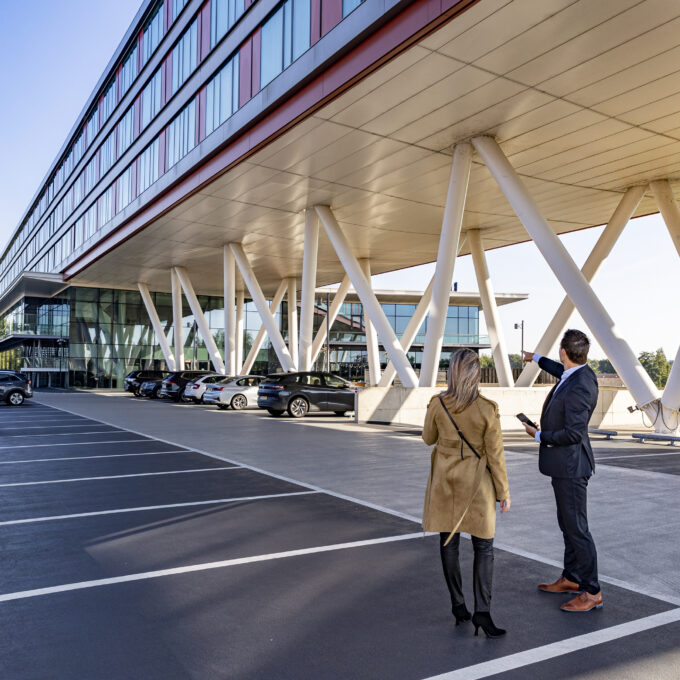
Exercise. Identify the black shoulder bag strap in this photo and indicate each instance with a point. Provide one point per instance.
(460, 434)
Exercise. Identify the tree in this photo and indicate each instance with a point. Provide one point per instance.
(657, 366)
(601, 365)
(515, 360)
(486, 361)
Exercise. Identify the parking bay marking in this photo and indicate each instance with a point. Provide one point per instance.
(142, 576)
(110, 455)
(108, 441)
(137, 474)
(48, 427)
(63, 434)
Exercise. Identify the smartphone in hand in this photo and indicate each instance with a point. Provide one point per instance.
(523, 419)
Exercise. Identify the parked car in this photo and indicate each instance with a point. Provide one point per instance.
(239, 393)
(133, 381)
(195, 389)
(151, 388)
(299, 393)
(15, 387)
(173, 386)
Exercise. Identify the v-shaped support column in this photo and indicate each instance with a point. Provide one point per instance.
(331, 316)
(178, 331)
(157, 326)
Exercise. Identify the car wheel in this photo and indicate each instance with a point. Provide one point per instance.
(137, 393)
(15, 399)
(222, 407)
(180, 396)
(340, 413)
(154, 394)
(298, 407)
(239, 402)
(274, 412)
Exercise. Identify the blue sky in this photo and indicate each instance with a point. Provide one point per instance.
(52, 55)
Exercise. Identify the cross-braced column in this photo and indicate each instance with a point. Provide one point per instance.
(372, 349)
(267, 317)
(309, 264)
(568, 274)
(178, 331)
(331, 315)
(229, 311)
(262, 333)
(368, 299)
(201, 322)
(663, 193)
(239, 332)
(446, 259)
(493, 321)
(157, 326)
(620, 217)
(292, 321)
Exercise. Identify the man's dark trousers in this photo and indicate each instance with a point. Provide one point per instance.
(567, 457)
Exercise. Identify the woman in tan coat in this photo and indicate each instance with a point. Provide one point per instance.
(467, 477)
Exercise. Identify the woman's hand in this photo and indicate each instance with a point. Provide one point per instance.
(505, 505)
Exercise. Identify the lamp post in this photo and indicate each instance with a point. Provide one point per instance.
(521, 327)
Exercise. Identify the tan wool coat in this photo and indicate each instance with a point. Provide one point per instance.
(462, 491)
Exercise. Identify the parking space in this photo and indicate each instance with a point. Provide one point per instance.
(135, 557)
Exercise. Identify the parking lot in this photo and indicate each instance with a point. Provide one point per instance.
(147, 539)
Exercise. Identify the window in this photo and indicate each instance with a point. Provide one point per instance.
(349, 6)
(106, 206)
(223, 15)
(152, 33)
(177, 7)
(128, 71)
(182, 134)
(151, 99)
(107, 154)
(78, 190)
(222, 95)
(126, 131)
(77, 150)
(332, 381)
(185, 57)
(90, 174)
(90, 222)
(125, 189)
(148, 166)
(108, 101)
(92, 127)
(285, 37)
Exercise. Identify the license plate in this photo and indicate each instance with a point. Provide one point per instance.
(264, 397)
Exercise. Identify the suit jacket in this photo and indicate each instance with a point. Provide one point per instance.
(565, 449)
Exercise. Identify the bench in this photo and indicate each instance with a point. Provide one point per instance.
(643, 437)
(606, 433)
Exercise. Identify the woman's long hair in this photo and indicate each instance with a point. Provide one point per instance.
(464, 374)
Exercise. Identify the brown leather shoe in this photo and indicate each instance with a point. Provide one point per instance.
(562, 585)
(583, 603)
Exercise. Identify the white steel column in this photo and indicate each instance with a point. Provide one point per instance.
(338, 299)
(267, 317)
(261, 334)
(368, 299)
(446, 259)
(178, 331)
(372, 348)
(203, 327)
(157, 326)
(493, 321)
(229, 311)
(409, 334)
(568, 274)
(620, 217)
(663, 193)
(239, 332)
(291, 298)
(309, 264)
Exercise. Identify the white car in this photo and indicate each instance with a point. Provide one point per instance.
(239, 394)
(195, 390)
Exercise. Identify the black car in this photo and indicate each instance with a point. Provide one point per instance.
(173, 386)
(15, 387)
(299, 393)
(151, 388)
(133, 381)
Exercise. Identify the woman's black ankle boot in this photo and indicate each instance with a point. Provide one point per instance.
(483, 620)
(460, 611)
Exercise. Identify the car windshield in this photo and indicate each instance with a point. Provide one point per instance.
(226, 381)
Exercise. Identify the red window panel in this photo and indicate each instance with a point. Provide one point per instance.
(255, 71)
(162, 152)
(316, 21)
(139, 51)
(167, 16)
(200, 115)
(166, 80)
(248, 3)
(204, 32)
(331, 14)
(245, 68)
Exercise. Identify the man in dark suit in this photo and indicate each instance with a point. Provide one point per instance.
(566, 456)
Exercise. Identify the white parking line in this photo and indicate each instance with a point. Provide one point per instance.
(638, 455)
(574, 644)
(203, 567)
(146, 508)
(108, 441)
(62, 434)
(47, 427)
(137, 474)
(111, 455)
